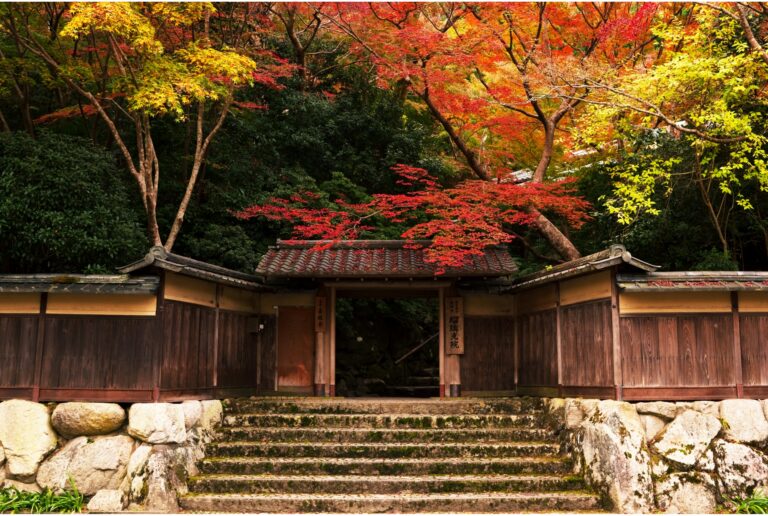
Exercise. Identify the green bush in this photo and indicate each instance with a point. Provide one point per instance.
(14, 501)
(65, 206)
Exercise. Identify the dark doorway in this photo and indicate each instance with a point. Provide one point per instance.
(387, 347)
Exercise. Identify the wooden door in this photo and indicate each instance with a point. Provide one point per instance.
(296, 348)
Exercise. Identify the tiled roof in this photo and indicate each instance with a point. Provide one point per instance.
(162, 259)
(371, 259)
(614, 255)
(693, 280)
(79, 283)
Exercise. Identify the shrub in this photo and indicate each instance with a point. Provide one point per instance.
(14, 501)
(756, 503)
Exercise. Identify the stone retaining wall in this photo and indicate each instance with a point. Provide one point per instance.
(685, 457)
(140, 459)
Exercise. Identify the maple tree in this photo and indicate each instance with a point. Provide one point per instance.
(135, 63)
(460, 222)
(707, 90)
(497, 76)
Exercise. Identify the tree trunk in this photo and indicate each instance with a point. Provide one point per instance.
(748, 33)
(556, 238)
(546, 152)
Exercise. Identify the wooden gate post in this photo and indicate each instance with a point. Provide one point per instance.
(321, 321)
(332, 345)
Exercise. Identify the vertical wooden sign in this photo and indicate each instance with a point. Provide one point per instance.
(320, 314)
(454, 326)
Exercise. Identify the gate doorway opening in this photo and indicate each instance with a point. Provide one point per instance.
(387, 346)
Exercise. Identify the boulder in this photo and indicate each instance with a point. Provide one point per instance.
(745, 420)
(2, 455)
(577, 410)
(193, 411)
(163, 483)
(686, 493)
(157, 423)
(686, 437)
(212, 414)
(616, 460)
(741, 468)
(74, 419)
(555, 412)
(136, 476)
(659, 466)
(662, 409)
(107, 501)
(210, 419)
(26, 436)
(710, 408)
(706, 462)
(92, 464)
(29, 487)
(653, 425)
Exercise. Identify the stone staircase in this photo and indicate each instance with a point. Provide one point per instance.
(386, 455)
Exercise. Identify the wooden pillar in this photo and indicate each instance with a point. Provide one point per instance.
(516, 343)
(453, 355)
(39, 344)
(737, 357)
(441, 338)
(618, 380)
(216, 337)
(321, 322)
(332, 345)
(558, 340)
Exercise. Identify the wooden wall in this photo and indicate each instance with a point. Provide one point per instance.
(537, 344)
(296, 348)
(92, 358)
(197, 341)
(586, 347)
(187, 364)
(691, 353)
(18, 337)
(557, 326)
(488, 362)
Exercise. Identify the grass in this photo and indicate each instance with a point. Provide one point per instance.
(756, 503)
(14, 501)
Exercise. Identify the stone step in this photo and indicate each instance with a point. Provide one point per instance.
(401, 466)
(385, 435)
(401, 503)
(435, 406)
(381, 484)
(382, 421)
(380, 450)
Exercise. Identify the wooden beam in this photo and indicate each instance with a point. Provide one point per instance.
(737, 357)
(384, 285)
(381, 293)
(693, 393)
(618, 379)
